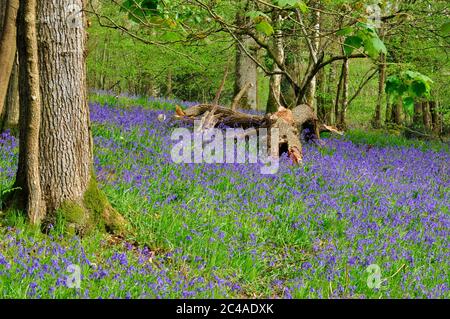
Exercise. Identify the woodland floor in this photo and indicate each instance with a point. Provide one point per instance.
(216, 230)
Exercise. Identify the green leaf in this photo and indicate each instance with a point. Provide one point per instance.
(286, 3)
(412, 75)
(374, 47)
(301, 6)
(254, 15)
(264, 27)
(392, 84)
(366, 27)
(345, 31)
(351, 43)
(419, 88)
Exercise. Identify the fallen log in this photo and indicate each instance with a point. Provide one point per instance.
(289, 123)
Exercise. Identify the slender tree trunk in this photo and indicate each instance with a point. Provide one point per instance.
(337, 101)
(11, 118)
(376, 123)
(315, 41)
(345, 83)
(169, 83)
(321, 96)
(3, 5)
(28, 177)
(275, 80)
(435, 118)
(330, 94)
(418, 115)
(246, 69)
(427, 121)
(104, 64)
(397, 112)
(55, 152)
(7, 49)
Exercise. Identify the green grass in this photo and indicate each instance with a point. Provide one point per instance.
(130, 101)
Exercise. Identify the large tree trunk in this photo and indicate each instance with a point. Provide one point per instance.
(376, 123)
(246, 69)
(7, 48)
(55, 153)
(274, 100)
(10, 117)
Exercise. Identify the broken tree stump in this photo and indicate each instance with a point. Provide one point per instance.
(289, 123)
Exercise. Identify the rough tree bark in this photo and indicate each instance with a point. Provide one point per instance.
(246, 69)
(7, 52)
(55, 170)
(274, 100)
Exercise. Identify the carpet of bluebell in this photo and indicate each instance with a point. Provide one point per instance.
(226, 230)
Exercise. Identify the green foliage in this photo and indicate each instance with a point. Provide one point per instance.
(445, 29)
(351, 43)
(138, 10)
(345, 31)
(119, 63)
(364, 36)
(407, 86)
(257, 16)
(264, 27)
(292, 3)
